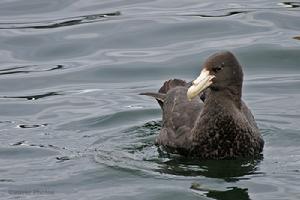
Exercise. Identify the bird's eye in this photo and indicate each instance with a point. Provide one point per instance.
(217, 69)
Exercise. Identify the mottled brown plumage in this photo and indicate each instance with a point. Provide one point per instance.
(219, 124)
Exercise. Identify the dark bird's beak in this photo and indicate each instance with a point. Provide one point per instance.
(201, 83)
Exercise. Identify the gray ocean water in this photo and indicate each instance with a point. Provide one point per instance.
(73, 127)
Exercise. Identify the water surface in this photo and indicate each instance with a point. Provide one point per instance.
(73, 127)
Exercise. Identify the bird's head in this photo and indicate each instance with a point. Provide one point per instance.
(220, 71)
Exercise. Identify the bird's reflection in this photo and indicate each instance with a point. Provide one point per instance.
(229, 170)
(231, 193)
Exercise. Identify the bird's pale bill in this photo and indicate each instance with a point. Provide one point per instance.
(201, 83)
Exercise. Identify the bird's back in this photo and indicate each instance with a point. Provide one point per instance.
(179, 117)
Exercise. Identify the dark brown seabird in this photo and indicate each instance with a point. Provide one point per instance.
(207, 118)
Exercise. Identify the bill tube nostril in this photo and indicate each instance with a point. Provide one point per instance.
(203, 81)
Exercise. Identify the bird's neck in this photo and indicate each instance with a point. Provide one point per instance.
(225, 95)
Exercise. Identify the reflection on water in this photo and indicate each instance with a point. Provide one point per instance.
(227, 194)
(229, 170)
(231, 193)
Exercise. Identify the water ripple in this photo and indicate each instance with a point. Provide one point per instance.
(33, 97)
(31, 125)
(218, 15)
(69, 21)
(30, 69)
(290, 4)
